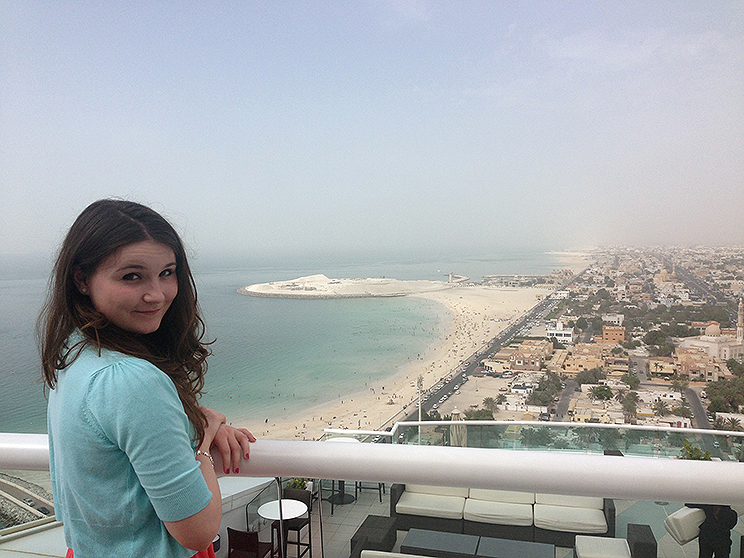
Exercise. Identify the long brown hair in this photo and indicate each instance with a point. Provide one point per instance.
(176, 347)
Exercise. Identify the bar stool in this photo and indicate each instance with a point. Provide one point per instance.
(359, 486)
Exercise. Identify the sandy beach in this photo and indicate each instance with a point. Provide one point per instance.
(478, 314)
(475, 313)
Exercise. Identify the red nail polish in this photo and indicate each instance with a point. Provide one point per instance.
(227, 471)
(246, 456)
(236, 471)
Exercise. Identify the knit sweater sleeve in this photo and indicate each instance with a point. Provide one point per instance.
(136, 406)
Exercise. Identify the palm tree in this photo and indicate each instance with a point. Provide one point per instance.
(680, 385)
(593, 393)
(600, 392)
(661, 409)
(620, 395)
(630, 407)
(490, 404)
(733, 423)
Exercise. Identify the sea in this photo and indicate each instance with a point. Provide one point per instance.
(272, 357)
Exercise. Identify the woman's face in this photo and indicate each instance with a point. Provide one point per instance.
(133, 287)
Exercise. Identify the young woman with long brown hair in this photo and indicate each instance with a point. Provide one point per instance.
(124, 361)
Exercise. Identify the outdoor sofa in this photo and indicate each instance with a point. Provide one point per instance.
(527, 516)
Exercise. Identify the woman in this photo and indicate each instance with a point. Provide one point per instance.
(123, 356)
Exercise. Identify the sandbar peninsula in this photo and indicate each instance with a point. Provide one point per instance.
(320, 286)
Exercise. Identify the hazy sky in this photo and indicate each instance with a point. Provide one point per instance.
(377, 124)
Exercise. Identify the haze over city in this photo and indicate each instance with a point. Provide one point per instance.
(279, 126)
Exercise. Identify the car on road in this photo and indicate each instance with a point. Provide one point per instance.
(29, 502)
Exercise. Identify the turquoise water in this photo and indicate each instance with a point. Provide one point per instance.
(271, 356)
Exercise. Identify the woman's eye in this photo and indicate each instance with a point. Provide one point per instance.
(168, 272)
(131, 276)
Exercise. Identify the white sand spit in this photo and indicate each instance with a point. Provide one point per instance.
(320, 286)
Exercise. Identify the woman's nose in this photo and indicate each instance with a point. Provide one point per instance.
(154, 293)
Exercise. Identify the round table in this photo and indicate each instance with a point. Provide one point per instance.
(290, 509)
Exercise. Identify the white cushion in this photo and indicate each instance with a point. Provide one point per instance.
(430, 505)
(439, 490)
(382, 554)
(570, 501)
(684, 524)
(601, 547)
(572, 520)
(497, 513)
(502, 496)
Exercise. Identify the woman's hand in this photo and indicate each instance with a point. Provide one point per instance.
(214, 421)
(232, 443)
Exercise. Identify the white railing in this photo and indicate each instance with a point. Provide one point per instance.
(633, 478)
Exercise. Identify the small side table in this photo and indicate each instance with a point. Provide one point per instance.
(290, 509)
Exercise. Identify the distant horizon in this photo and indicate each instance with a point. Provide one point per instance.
(320, 261)
(401, 254)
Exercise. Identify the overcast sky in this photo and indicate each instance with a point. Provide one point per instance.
(260, 126)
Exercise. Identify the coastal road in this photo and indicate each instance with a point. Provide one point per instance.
(25, 499)
(458, 375)
(468, 368)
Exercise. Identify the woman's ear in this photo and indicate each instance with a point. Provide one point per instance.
(80, 280)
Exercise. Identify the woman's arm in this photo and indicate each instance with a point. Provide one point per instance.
(199, 530)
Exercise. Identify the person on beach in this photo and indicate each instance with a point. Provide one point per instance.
(123, 358)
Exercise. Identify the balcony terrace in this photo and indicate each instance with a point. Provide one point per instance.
(647, 484)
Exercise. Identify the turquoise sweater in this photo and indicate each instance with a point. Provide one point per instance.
(121, 458)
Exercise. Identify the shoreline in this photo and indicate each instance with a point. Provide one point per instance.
(474, 316)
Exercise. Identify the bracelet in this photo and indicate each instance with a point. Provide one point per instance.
(206, 453)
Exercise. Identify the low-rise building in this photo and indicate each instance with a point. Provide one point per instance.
(697, 365)
(526, 360)
(562, 333)
(613, 319)
(662, 366)
(583, 357)
(558, 361)
(616, 366)
(612, 334)
(545, 348)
